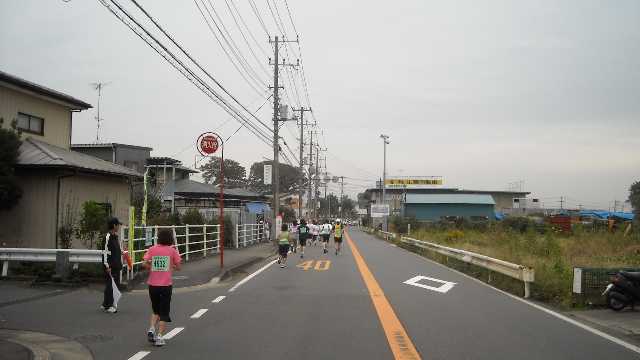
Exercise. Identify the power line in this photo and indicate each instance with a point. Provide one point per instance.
(165, 53)
(256, 12)
(290, 17)
(235, 20)
(248, 29)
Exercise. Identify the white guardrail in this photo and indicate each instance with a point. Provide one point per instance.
(249, 234)
(387, 235)
(520, 272)
(46, 255)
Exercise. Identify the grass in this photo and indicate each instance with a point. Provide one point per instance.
(551, 254)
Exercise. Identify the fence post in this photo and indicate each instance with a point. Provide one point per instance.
(408, 229)
(238, 235)
(527, 289)
(204, 240)
(5, 268)
(186, 238)
(155, 238)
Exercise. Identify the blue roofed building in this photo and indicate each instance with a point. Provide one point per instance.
(433, 207)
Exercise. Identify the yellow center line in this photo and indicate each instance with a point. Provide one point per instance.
(399, 342)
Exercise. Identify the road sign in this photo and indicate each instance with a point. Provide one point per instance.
(444, 287)
(268, 174)
(379, 210)
(208, 144)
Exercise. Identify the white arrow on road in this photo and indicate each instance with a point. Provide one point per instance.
(444, 288)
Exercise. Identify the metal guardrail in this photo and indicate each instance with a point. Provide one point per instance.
(388, 235)
(249, 234)
(47, 255)
(520, 272)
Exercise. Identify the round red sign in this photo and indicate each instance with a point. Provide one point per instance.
(208, 144)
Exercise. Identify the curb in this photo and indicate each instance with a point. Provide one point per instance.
(226, 273)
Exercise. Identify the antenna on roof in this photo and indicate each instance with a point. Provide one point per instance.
(98, 86)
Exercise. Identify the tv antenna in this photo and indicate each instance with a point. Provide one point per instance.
(98, 86)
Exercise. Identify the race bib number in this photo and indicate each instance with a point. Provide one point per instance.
(160, 263)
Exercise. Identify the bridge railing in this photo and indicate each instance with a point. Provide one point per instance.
(520, 272)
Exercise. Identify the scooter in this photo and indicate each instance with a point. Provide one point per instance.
(623, 291)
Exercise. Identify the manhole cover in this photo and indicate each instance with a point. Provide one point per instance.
(93, 338)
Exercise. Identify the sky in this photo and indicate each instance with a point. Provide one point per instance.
(483, 93)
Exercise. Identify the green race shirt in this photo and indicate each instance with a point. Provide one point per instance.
(284, 238)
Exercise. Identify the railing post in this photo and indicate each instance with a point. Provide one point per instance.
(5, 268)
(408, 229)
(186, 237)
(527, 289)
(238, 235)
(204, 240)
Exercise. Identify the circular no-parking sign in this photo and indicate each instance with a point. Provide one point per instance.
(208, 144)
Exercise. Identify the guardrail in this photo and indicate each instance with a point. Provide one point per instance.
(73, 256)
(249, 234)
(190, 239)
(387, 235)
(520, 272)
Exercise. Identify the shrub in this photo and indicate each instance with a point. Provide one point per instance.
(93, 221)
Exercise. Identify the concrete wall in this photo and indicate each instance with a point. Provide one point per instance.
(32, 223)
(434, 212)
(57, 118)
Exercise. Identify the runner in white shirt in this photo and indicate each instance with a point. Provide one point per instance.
(315, 231)
(325, 234)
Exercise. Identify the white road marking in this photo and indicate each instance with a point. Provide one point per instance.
(243, 281)
(444, 288)
(218, 299)
(596, 332)
(199, 313)
(140, 355)
(172, 333)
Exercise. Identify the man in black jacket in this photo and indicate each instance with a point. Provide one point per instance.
(112, 264)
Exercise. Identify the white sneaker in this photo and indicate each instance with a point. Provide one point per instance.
(112, 310)
(151, 335)
(159, 341)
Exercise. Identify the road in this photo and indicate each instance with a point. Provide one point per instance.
(352, 306)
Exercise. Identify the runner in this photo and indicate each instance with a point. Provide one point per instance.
(161, 259)
(283, 245)
(337, 235)
(325, 233)
(303, 235)
(315, 231)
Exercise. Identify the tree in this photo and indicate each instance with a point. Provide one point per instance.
(289, 178)
(10, 191)
(93, 221)
(634, 199)
(154, 204)
(234, 173)
(289, 215)
(332, 201)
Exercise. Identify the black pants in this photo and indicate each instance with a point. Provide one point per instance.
(108, 289)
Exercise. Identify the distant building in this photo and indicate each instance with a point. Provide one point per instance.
(130, 156)
(56, 181)
(433, 207)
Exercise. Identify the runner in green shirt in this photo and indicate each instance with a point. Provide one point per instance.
(283, 245)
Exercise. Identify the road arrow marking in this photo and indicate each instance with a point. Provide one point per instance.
(444, 288)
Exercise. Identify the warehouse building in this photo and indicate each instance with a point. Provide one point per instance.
(433, 207)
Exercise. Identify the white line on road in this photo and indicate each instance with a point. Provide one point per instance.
(172, 333)
(218, 299)
(199, 313)
(140, 355)
(251, 276)
(596, 332)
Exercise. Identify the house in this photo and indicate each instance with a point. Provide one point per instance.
(55, 180)
(130, 156)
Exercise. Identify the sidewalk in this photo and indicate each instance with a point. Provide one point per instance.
(201, 271)
(624, 324)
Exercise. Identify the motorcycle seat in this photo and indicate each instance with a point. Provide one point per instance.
(634, 276)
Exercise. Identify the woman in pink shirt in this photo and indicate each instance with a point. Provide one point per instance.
(161, 260)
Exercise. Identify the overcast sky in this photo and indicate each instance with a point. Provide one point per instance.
(483, 93)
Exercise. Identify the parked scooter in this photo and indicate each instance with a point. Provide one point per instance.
(623, 291)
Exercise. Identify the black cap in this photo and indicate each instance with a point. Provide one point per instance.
(113, 222)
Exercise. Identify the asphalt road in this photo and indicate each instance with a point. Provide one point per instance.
(352, 306)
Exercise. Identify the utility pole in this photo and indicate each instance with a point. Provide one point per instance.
(385, 139)
(561, 202)
(341, 196)
(276, 125)
(300, 191)
(317, 180)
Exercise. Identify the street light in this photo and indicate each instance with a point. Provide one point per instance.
(385, 140)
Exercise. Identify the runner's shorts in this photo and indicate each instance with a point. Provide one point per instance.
(303, 242)
(337, 239)
(161, 301)
(325, 237)
(283, 249)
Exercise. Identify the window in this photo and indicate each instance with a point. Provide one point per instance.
(31, 124)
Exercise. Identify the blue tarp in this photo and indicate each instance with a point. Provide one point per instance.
(257, 207)
(606, 214)
(499, 216)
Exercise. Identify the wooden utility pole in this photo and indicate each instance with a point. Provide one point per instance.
(300, 191)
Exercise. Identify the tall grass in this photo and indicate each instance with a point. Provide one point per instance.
(553, 255)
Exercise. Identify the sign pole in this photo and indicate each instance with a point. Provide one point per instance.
(221, 221)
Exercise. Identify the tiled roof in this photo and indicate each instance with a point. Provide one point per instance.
(35, 153)
(74, 103)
